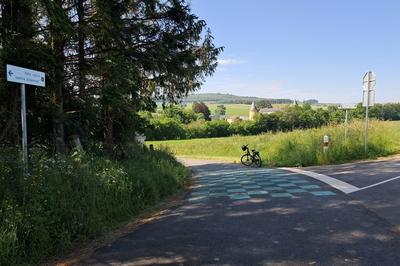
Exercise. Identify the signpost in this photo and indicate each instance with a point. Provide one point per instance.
(346, 108)
(369, 82)
(25, 76)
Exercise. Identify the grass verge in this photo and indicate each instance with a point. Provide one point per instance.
(299, 147)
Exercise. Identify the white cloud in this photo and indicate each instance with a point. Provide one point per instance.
(229, 62)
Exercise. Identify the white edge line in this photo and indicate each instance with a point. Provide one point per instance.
(379, 183)
(333, 182)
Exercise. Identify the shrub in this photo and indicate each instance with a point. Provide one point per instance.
(67, 199)
(165, 128)
(244, 128)
(217, 128)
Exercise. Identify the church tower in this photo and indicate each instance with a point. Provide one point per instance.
(253, 111)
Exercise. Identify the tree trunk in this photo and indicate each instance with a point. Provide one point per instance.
(108, 130)
(81, 46)
(58, 43)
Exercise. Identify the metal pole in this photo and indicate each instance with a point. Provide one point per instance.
(345, 125)
(24, 128)
(366, 114)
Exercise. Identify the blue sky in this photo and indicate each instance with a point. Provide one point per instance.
(302, 49)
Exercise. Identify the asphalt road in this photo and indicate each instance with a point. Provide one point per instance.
(248, 216)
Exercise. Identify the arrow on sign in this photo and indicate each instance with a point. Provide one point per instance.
(10, 73)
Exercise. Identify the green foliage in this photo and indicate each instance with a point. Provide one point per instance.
(179, 113)
(201, 108)
(263, 104)
(67, 199)
(298, 147)
(244, 128)
(220, 110)
(165, 128)
(105, 61)
(288, 119)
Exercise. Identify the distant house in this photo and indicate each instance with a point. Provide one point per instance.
(254, 111)
(233, 119)
(268, 110)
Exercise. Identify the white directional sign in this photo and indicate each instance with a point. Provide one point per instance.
(369, 81)
(25, 76)
(370, 97)
(348, 106)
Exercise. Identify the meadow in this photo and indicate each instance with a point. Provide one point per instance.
(231, 109)
(298, 147)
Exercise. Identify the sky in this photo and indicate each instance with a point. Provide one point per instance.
(304, 49)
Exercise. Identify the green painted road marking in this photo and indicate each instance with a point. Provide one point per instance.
(323, 193)
(273, 188)
(296, 190)
(257, 192)
(299, 181)
(222, 194)
(251, 187)
(287, 185)
(236, 190)
(281, 195)
(310, 186)
(239, 196)
(242, 185)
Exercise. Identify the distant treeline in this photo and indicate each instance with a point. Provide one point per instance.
(183, 124)
(229, 98)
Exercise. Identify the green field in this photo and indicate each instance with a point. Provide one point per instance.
(297, 148)
(235, 109)
(231, 109)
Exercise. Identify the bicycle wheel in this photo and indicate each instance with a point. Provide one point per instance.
(246, 159)
(257, 160)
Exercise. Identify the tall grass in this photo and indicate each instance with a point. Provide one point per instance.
(67, 199)
(299, 147)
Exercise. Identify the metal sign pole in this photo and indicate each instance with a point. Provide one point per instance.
(366, 111)
(24, 128)
(369, 82)
(345, 125)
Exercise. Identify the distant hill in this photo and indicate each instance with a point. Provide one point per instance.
(229, 98)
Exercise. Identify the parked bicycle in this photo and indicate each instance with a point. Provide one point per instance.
(250, 158)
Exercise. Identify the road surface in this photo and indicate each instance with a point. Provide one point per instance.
(331, 215)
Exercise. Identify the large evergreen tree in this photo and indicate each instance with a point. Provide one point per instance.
(105, 60)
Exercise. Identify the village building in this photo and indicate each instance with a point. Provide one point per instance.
(234, 118)
(253, 112)
(268, 110)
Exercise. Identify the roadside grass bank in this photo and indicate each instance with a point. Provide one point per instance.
(69, 199)
(298, 147)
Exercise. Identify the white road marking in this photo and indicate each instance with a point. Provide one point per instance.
(333, 182)
(379, 183)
